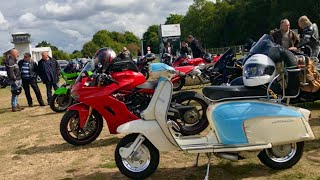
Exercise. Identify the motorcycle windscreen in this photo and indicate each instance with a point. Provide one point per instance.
(229, 118)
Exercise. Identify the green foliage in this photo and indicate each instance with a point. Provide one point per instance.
(58, 54)
(230, 22)
(47, 44)
(76, 54)
(174, 19)
(89, 48)
(151, 38)
(2, 60)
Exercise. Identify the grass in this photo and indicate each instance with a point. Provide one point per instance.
(32, 148)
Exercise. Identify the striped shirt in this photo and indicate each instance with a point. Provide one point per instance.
(25, 70)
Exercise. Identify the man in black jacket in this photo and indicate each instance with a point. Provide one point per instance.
(49, 71)
(196, 48)
(14, 76)
(28, 69)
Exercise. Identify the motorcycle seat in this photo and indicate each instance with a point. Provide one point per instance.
(148, 85)
(222, 92)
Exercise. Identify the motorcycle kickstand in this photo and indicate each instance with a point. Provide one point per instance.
(197, 161)
(208, 165)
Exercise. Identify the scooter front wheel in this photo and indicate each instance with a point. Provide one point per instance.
(140, 164)
(282, 156)
(72, 133)
(60, 102)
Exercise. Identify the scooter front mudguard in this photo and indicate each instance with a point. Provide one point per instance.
(61, 90)
(83, 111)
(151, 130)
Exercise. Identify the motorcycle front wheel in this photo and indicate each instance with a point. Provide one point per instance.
(282, 156)
(145, 73)
(142, 163)
(60, 102)
(72, 133)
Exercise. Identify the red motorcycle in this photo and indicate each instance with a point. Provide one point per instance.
(118, 98)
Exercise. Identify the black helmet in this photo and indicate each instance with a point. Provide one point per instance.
(16, 91)
(73, 66)
(166, 58)
(103, 58)
(208, 57)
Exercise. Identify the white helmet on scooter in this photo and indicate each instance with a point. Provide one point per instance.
(258, 70)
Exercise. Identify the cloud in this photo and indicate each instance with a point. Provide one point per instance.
(4, 25)
(70, 23)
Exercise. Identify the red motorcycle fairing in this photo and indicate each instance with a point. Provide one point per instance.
(196, 61)
(133, 79)
(191, 62)
(184, 69)
(114, 112)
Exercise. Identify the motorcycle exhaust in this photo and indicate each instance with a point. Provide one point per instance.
(229, 156)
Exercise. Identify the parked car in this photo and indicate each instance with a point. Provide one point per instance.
(3, 71)
(63, 63)
(4, 82)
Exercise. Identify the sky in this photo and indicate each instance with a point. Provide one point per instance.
(68, 24)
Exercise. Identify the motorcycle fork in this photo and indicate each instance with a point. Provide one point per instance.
(90, 111)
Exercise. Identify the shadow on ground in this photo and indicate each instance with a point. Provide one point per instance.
(57, 148)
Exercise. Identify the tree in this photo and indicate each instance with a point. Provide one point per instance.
(47, 44)
(102, 39)
(131, 38)
(58, 54)
(76, 54)
(151, 39)
(89, 49)
(174, 19)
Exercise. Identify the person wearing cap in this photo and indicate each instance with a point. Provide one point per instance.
(28, 69)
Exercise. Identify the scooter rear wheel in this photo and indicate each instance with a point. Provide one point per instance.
(282, 156)
(142, 163)
(73, 134)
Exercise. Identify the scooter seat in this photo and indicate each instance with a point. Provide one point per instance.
(148, 85)
(222, 92)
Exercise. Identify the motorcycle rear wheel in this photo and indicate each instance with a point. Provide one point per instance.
(179, 84)
(60, 102)
(73, 134)
(142, 163)
(201, 105)
(282, 156)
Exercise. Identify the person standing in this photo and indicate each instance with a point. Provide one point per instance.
(309, 36)
(285, 37)
(28, 69)
(14, 76)
(196, 48)
(49, 71)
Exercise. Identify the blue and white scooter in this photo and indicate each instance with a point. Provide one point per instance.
(238, 129)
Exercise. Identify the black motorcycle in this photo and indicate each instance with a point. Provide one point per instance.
(143, 64)
(4, 82)
(226, 69)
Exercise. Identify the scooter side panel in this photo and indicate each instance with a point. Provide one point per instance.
(276, 130)
(151, 130)
(229, 117)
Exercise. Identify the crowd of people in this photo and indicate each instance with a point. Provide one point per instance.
(288, 39)
(24, 74)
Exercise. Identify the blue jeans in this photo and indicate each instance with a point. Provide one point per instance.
(49, 86)
(14, 98)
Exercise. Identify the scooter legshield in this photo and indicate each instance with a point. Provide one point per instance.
(83, 111)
